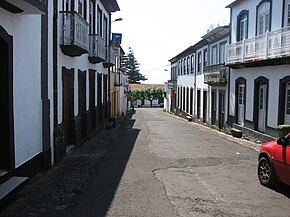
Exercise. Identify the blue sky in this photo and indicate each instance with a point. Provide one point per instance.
(157, 30)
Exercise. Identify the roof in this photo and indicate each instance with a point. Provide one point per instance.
(111, 5)
(184, 53)
(188, 51)
(217, 32)
(143, 86)
(233, 4)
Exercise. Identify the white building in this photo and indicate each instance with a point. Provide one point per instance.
(216, 76)
(183, 79)
(259, 94)
(82, 34)
(202, 79)
(55, 63)
(25, 125)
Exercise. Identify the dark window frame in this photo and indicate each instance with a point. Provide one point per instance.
(205, 57)
(241, 15)
(199, 61)
(270, 17)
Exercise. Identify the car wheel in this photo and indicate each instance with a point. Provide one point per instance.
(265, 172)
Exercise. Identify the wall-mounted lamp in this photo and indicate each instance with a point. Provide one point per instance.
(118, 19)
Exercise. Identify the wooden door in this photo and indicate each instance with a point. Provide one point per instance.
(241, 104)
(262, 107)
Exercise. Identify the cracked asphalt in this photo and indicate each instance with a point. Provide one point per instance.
(152, 165)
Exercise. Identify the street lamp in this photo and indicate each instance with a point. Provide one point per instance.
(118, 19)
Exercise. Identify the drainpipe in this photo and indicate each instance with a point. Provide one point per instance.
(109, 74)
(55, 65)
(194, 92)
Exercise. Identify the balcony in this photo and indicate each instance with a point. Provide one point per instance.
(74, 40)
(111, 60)
(97, 50)
(271, 48)
(25, 6)
(215, 75)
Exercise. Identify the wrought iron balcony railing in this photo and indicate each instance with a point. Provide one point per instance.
(271, 45)
(74, 40)
(112, 52)
(97, 50)
(215, 74)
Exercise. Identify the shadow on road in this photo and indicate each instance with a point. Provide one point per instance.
(283, 189)
(98, 198)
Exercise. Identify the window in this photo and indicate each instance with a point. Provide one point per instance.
(181, 66)
(184, 66)
(222, 52)
(178, 68)
(92, 18)
(205, 57)
(214, 55)
(199, 62)
(287, 109)
(82, 8)
(263, 18)
(287, 13)
(188, 60)
(67, 5)
(105, 30)
(242, 25)
(100, 22)
(192, 64)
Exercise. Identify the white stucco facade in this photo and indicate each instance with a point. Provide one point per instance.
(257, 97)
(26, 33)
(250, 74)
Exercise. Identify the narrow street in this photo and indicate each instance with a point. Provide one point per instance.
(162, 165)
(165, 166)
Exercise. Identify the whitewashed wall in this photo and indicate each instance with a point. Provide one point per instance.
(274, 74)
(200, 85)
(78, 63)
(251, 5)
(26, 32)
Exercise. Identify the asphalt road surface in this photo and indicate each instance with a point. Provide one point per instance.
(162, 165)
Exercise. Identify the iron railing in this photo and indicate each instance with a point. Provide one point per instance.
(74, 30)
(270, 45)
(97, 46)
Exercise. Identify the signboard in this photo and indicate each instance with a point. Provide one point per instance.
(117, 38)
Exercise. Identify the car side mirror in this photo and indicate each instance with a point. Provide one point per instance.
(281, 141)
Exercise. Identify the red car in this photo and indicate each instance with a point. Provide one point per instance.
(274, 162)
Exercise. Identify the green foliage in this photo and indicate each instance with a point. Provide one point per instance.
(150, 94)
(137, 94)
(154, 93)
(130, 63)
(283, 130)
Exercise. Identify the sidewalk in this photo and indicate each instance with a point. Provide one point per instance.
(56, 188)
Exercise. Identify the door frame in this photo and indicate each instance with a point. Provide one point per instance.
(257, 83)
(222, 108)
(213, 106)
(262, 107)
(240, 81)
(205, 106)
(10, 148)
(82, 104)
(282, 101)
(67, 87)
